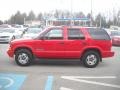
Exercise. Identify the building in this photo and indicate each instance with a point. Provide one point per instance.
(33, 22)
(68, 21)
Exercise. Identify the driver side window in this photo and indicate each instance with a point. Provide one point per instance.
(54, 34)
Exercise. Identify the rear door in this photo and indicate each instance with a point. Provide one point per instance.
(75, 42)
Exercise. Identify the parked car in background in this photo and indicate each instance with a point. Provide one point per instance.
(31, 32)
(5, 26)
(107, 30)
(89, 45)
(20, 27)
(9, 34)
(115, 35)
(114, 28)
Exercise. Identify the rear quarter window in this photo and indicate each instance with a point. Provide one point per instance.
(98, 34)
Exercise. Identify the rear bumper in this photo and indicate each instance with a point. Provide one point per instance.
(107, 54)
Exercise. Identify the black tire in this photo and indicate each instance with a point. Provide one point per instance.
(88, 60)
(26, 57)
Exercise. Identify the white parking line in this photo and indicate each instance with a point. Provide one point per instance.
(9, 80)
(98, 77)
(79, 79)
(63, 88)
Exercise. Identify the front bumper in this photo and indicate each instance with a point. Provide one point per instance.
(10, 53)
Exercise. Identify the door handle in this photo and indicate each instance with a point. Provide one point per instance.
(84, 43)
(61, 43)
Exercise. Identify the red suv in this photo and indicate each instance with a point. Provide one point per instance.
(88, 44)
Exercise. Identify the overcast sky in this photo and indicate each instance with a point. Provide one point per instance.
(9, 7)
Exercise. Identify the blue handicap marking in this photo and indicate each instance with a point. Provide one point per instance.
(11, 81)
(49, 83)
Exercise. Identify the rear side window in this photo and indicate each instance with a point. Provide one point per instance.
(75, 34)
(98, 34)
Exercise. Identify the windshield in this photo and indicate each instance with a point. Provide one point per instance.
(34, 30)
(7, 31)
(41, 33)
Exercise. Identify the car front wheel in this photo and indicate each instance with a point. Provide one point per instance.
(91, 59)
(23, 57)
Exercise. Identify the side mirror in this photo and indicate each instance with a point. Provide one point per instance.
(42, 38)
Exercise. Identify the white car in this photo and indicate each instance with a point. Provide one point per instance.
(32, 32)
(5, 26)
(8, 34)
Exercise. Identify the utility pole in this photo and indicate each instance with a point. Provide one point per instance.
(24, 20)
(119, 20)
(91, 15)
(71, 22)
(100, 21)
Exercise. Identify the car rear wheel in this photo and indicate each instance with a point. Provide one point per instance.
(23, 57)
(91, 59)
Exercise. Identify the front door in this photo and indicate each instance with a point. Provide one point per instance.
(52, 45)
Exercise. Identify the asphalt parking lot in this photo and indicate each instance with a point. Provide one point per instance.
(59, 74)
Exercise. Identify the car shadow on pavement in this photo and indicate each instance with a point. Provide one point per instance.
(65, 62)
(58, 62)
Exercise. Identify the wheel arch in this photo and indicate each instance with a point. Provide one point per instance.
(18, 48)
(93, 49)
